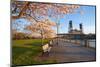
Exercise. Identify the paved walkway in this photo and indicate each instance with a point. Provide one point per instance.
(69, 52)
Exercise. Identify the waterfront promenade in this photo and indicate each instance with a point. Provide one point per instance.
(69, 52)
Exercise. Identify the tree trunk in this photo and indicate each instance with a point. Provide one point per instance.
(41, 38)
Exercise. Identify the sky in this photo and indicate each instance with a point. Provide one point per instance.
(84, 15)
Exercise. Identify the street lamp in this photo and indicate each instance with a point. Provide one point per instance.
(58, 23)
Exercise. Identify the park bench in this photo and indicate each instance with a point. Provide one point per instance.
(46, 48)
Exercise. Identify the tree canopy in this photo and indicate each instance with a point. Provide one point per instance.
(39, 14)
(39, 11)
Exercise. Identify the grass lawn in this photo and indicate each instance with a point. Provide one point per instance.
(24, 52)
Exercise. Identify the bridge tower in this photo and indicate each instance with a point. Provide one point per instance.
(81, 27)
(70, 26)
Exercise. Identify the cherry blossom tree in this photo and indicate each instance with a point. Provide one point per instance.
(37, 13)
(44, 28)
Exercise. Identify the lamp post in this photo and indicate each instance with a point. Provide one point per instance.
(58, 23)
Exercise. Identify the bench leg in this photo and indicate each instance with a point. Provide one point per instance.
(45, 53)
